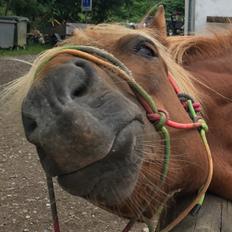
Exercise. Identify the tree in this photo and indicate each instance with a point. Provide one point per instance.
(131, 11)
(174, 7)
(103, 10)
(27, 8)
(134, 10)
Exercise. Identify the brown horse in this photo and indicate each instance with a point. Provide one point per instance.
(91, 131)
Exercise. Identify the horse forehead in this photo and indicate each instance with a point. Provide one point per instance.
(105, 36)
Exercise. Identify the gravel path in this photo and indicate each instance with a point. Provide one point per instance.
(24, 203)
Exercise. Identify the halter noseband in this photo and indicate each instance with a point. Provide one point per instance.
(159, 118)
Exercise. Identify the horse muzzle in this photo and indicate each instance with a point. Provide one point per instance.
(86, 131)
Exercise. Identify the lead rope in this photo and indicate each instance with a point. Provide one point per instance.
(158, 117)
(52, 199)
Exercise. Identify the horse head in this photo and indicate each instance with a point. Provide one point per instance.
(93, 134)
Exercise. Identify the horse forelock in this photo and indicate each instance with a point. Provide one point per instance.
(13, 93)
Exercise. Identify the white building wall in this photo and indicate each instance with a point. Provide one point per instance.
(204, 8)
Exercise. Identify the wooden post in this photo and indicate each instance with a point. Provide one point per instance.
(214, 216)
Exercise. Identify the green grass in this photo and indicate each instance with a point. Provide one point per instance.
(29, 50)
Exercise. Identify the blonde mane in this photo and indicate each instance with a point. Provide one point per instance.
(13, 93)
(185, 49)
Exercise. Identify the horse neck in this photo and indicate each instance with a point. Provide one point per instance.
(214, 82)
(216, 76)
(214, 72)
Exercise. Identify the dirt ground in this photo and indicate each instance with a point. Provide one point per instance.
(24, 204)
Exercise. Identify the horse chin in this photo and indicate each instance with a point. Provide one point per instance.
(111, 180)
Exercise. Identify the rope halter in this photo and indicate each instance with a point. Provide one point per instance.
(158, 117)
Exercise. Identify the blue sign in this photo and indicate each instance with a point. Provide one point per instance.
(86, 5)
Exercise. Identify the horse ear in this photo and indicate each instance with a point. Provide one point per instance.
(159, 21)
(156, 22)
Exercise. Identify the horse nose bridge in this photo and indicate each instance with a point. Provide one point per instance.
(71, 80)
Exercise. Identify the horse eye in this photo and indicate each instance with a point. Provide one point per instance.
(145, 51)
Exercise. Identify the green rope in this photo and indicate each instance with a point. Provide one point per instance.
(203, 129)
(91, 50)
(167, 153)
(102, 53)
(143, 93)
(162, 121)
(158, 126)
(192, 111)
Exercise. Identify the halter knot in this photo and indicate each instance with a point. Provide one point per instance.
(203, 123)
(159, 118)
(197, 106)
(183, 97)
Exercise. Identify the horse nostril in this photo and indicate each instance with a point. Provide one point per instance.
(82, 78)
(79, 91)
(29, 125)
